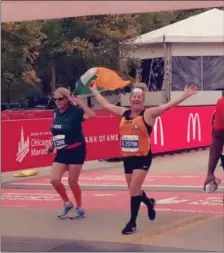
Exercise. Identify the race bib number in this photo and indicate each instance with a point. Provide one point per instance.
(130, 143)
(59, 141)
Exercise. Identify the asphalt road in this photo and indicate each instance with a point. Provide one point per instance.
(187, 219)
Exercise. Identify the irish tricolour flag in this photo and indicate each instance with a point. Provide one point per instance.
(103, 78)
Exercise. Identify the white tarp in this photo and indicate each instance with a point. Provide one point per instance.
(17, 11)
(205, 27)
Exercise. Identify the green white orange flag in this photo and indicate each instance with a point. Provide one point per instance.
(103, 78)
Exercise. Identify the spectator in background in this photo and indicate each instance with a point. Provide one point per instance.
(216, 147)
(222, 155)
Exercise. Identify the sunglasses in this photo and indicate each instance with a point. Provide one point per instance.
(59, 99)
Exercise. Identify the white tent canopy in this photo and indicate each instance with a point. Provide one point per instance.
(17, 11)
(205, 27)
(200, 35)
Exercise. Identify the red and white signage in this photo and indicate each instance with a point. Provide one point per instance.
(25, 141)
(101, 200)
(193, 127)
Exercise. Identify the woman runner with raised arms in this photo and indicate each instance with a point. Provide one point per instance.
(136, 126)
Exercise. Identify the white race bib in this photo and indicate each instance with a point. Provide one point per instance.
(59, 141)
(130, 143)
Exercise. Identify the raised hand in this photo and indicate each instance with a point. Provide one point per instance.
(93, 87)
(190, 90)
(76, 100)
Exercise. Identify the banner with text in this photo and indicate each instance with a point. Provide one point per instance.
(25, 142)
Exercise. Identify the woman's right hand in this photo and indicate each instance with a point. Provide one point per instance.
(50, 149)
(93, 87)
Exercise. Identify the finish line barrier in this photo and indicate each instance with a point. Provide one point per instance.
(25, 141)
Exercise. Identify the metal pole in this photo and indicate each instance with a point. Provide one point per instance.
(166, 89)
(202, 72)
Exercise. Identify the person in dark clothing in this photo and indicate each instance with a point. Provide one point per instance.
(217, 144)
(69, 142)
(222, 155)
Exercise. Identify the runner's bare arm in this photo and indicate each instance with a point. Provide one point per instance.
(118, 110)
(155, 112)
(88, 112)
(51, 143)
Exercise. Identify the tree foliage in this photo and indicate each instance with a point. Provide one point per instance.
(44, 54)
(20, 43)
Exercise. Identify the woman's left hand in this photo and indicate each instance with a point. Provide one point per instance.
(78, 100)
(190, 90)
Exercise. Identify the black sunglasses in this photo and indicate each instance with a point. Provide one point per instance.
(59, 99)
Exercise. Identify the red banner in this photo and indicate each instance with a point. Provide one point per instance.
(25, 142)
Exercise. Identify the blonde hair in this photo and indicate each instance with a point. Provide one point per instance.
(63, 91)
(137, 90)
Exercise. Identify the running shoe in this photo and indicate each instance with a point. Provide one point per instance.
(66, 208)
(151, 209)
(78, 214)
(129, 229)
(150, 203)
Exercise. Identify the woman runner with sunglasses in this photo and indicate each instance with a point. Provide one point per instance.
(135, 129)
(69, 142)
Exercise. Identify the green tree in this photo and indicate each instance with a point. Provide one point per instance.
(153, 21)
(76, 44)
(44, 54)
(19, 51)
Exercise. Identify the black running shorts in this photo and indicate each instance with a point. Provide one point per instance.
(137, 162)
(75, 155)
